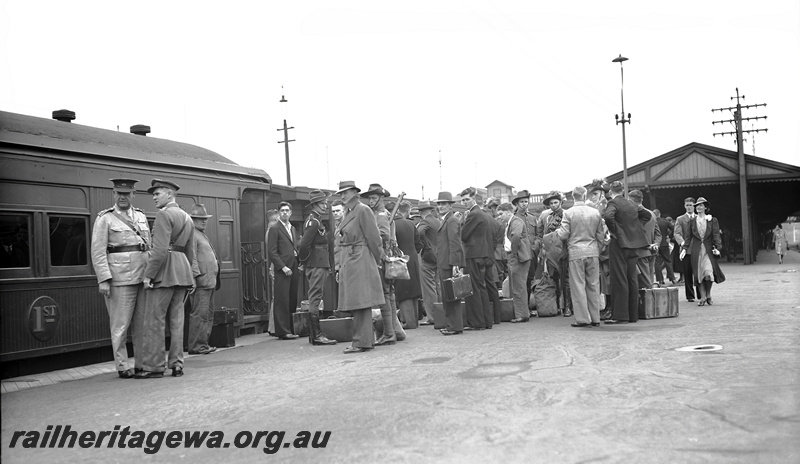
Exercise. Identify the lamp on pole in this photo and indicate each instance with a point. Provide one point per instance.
(621, 119)
(286, 141)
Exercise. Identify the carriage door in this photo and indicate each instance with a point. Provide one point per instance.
(256, 294)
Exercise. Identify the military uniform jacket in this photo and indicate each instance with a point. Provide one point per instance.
(313, 248)
(167, 266)
(125, 268)
(205, 266)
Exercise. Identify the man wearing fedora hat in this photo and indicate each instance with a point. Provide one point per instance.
(449, 259)
(520, 202)
(313, 253)
(167, 278)
(428, 228)
(120, 240)
(558, 266)
(205, 268)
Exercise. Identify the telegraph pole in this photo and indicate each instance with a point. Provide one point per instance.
(286, 141)
(747, 243)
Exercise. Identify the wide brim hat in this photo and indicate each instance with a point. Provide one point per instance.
(444, 197)
(414, 213)
(161, 183)
(347, 185)
(124, 185)
(701, 200)
(423, 205)
(553, 195)
(375, 189)
(521, 195)
(199, 212)
(598, 185)
(492, 202)
(316, 196)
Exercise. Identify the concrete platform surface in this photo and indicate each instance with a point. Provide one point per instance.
(541, 392)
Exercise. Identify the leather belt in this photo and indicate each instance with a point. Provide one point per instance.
(126, 248)
(321, 246)
(177, 248)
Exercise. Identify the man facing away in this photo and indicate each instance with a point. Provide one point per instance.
(664, 256)
(647, 258)
(582, 228)
(205, 268)
(120, 240)
(166, 279)
(313, 253)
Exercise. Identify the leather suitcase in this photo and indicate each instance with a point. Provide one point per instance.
(300, 323)
(439, 318)
(456, 288)
(506, 309)
(226, 315)
(222, 335)
(337, 328)
(657, 303)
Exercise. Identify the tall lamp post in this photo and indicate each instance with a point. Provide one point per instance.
(286, 141)
(621, 119)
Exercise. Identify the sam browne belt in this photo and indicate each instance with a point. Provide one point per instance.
(126, 248)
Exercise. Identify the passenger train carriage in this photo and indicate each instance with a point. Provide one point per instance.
(54, 180)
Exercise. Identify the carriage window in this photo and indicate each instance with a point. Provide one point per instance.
(15, 233)
(226, 241)
(68, 241)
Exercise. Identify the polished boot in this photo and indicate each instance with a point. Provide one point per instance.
(315, 335)
(388, 337)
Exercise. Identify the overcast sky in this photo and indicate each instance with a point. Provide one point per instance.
(520, 91)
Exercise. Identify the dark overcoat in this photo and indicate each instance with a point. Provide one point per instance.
(173, 227)
(407, 240)
(359, 253)
(710, 240)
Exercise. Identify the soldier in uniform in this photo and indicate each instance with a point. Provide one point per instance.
(166, 279)
(205, 269)
(313, 253)
(120, 240)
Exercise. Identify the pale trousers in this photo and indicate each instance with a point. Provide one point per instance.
(126, 308)
(201, 319)
(162, 304)
(430, 288)
(584, 281)
(517, 281)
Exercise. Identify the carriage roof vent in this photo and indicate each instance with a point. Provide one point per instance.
(64, 115)
(140, 129)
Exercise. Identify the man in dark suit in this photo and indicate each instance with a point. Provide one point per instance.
(494, 241)
(282, 252)
(476, 235)
(683, 233)
(449, 259)
(628, 242)
(664, 256)
(167, 277)
(428, 228)
(313, 253)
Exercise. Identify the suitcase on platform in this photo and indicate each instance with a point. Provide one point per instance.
(657, 303)
(506, 310)
(456, 288)
(226, 315)
(300, 323)
(222, 335)
(337, 328)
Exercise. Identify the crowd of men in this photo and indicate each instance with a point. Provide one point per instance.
(146, 278)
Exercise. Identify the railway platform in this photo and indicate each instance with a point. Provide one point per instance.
(716, 384)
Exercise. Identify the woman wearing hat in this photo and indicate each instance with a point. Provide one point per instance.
(781, 240)
(704, 242)
(359, 254)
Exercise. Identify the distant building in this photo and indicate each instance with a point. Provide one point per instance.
(501, 190)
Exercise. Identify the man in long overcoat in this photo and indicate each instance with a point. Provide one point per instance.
(428, 228)
(167, 278)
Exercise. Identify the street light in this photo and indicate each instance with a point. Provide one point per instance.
(622, 120)
(286, 141)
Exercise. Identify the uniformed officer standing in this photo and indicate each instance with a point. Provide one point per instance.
(313, 254)
(205, 268)
(166, 279)
(120, 240)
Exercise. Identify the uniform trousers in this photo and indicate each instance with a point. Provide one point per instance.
(285, 301)
(624, 284)
(317, 278)
(688, 278)
(584, 279)
(430, 288)
(363, 333)
(200, 319)
(517, 278)
(452, 309)
(165, 303)
(664, 260)
(126, 308)
(479, 313)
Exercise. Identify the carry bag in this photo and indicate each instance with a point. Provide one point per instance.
(657, 303)
(506, 310)
(545, 295)
(395, 264)
(337, 328)
(456, 288)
